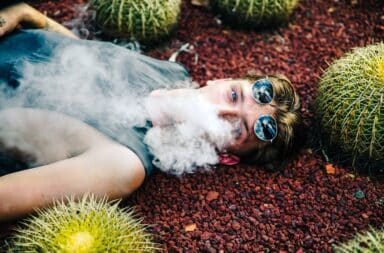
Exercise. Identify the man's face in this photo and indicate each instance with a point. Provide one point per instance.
(234, 101)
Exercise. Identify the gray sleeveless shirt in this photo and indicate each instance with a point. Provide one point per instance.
(39, 47)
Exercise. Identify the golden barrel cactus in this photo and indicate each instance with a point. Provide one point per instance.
(368, 242)
(84, 226)
(350, 103)
(146, 21)
(255, 13)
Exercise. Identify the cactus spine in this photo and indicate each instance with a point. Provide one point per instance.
(350, 103)
(89, 225)
(144, 20)
(369, 242)
(256, 13)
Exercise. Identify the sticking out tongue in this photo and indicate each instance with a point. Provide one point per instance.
(227, 159)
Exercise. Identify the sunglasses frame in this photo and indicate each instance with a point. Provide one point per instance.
(264, 115)
(273, 94)
(255, 125)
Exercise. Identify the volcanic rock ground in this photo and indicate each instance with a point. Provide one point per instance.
(308, 206)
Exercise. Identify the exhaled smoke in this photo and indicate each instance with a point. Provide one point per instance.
(101, 88)
(187, 133)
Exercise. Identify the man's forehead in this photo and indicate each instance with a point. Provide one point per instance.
(254, 107)
(242, 81)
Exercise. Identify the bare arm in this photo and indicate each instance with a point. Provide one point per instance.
(105, 168)
(27, 16)
(111, 171)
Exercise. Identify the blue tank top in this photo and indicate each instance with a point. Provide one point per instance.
(37, 46)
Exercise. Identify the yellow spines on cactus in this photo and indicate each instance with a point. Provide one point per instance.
(350, 103)
(255, 13)
(84, 226)
(380, 67)
(147, 21)
(368, 242)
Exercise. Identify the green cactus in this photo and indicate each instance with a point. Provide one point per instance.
(350, 103)
(369, 242)
(255, 13)
(147, 21)
(84, 226)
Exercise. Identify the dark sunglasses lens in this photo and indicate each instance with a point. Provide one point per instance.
(262, 91)
(266, 128)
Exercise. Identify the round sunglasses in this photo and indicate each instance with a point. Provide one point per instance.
(265, 127)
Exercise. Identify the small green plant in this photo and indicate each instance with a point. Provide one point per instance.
(369, 242)
(255, 13)
(350, 103)
(84, 226)
(146, 21)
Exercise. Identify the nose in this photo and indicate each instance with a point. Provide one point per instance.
(229, 112)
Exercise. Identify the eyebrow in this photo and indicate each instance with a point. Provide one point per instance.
(243, 101)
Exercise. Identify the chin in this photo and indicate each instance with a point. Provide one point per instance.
(235, 150)
(241, 150)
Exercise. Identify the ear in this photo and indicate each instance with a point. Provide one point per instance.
(228, 159)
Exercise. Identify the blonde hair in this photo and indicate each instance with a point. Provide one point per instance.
(287, 103)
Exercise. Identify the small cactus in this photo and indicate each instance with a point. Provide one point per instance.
(369, 242)
(255, 13)
(350, 103)
(146, 21)
(88, 225)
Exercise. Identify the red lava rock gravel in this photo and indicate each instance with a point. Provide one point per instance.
(305, 207)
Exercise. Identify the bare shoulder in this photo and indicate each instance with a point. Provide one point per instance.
(120, 160)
